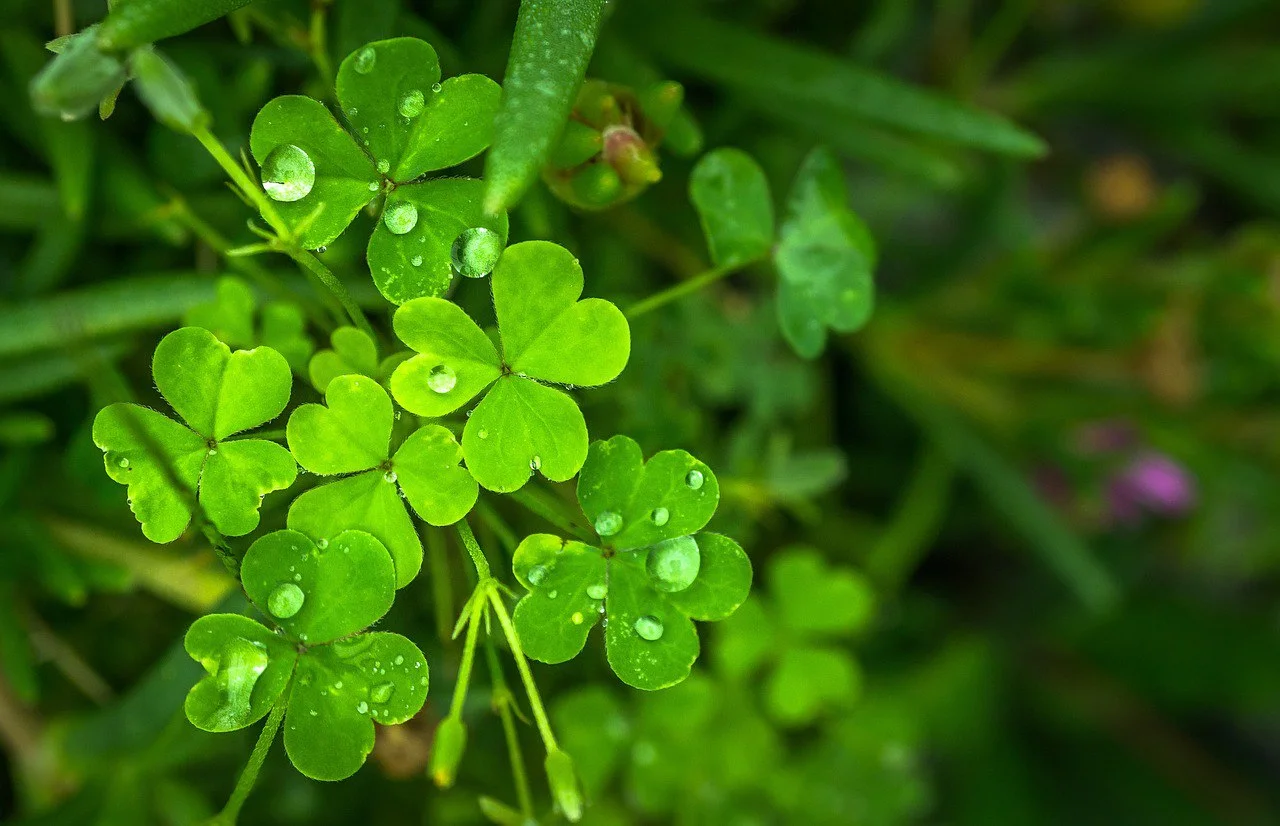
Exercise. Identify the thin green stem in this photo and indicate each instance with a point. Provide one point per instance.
(682, 289)
(230, 812)
(473, 548)
(315, 267)
(526, 676)
(468, 660)
(248, 188)
(502, 700)
(550, 509)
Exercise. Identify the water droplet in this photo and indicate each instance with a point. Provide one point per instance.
(288, 173)
(124, 462)
(412, 103)
(236, 673)
(365, 58)
(399, 660)
(694, 479)
(436, 87)
(535, 463)
(416, 261)
(648, 627)
(373, 186)
(353, 111)
(389, 476)
(322, 249)
(660, 516)
(552, 594)
(322, 543)
(400, 217)
(576, 619)
(483, 434)
(598, 590)
(384, 166)
(537, 574)
(381, 692)
(285, 601)
(476, 251)
(673, 563)
(213, 451)
(442, 379)
(608, 523)
(297, 577)
(362, 708)
(337, 685)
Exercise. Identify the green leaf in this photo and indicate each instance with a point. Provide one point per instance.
(433, 125)
(229, 316)
(746, 641)
(419, 262)
(247, 666)
(428, 466)
(353, 353)
(284, 330)
(521, 426)
(450, 345)
(723, 583)
(731, 194)
(547, 333)
(340, 691)
(825, 259)
(757, 66)
(236, 475)
(817, 600)
(215, 391)
(344, 179)
(318, 592)
(550, 50)
(132, 23)
(650, 643)
(352, 434)
(808, 681)
(591, 724)
(562, 571)
(672, 495)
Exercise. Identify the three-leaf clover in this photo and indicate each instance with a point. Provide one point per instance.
(651, 575)
(168, 466)
(353, 353)
(547, 336)
(336, 681)
(824, 255)
(811, 607)
(352, 436)
(401, 123)
(230, 317)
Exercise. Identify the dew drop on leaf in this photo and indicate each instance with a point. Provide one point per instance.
(365, 59)
(288, 173)
(322, 543)
(384, 166)
(660, 516)
(694, 479)
(399, 660)
(608, 523)
(416, 261)
(381, 692)
(436, 87)
(483, 434)
(535, 463)
(400, 218)
(673, 563)
(576, 619)
(476, 251)
(442, 379)
(412, 103)
(648, 627)
(389, 476)
(536, 574)
(373, 186)
(285, 601)
(597, 591)
(552, 594)
(363, 707)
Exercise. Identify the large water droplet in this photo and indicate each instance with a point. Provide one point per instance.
(597, 591)
(694, 479)
(389, 476)
(362, 707)
(288, 173)
(412, 103)
(124, 462)
(660, 516)
(442, 379)
(476, 251)
(365, 58)
(608, 523)
(322, 543)
(648, 627)
(537, 574)
(400, 217)
(384, 166)
(238, 669)
(673, 563)
(436, 87)
(285, 601)
(381, 692)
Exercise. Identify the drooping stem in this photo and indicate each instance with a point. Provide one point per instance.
(502, 701)
(473, 548)
(249, 776)
(526, 676)
(680, 290)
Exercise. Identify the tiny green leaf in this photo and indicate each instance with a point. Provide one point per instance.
(229, 316)
(813, 598)
(522, 426)
(247, 669)
(353, 353)
(808, 680)
(825, 259)
(731, 194)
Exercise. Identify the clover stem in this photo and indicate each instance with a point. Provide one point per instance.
(473, 548)
(468, 659)
(502, 700)
(248, 188)
(526, 676)
(315, 267)
(682, 289)
(249, 776)
(540, 504)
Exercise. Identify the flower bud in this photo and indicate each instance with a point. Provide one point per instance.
(451, 742)
(563, 779)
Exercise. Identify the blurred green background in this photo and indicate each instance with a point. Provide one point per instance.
(1016, 543)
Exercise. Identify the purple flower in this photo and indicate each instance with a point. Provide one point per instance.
(1151, 483)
